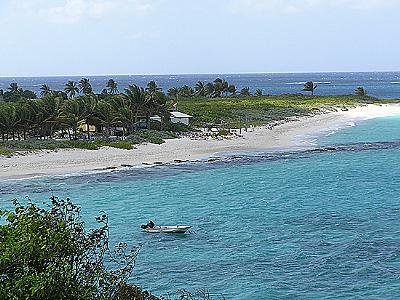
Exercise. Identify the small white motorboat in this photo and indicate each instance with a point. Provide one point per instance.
(167, 229)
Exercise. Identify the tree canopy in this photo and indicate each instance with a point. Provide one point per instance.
(309, 87)
(360, 91)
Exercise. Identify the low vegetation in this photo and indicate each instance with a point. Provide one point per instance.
(138, 137)
(4, 151)
(263, 109)
(150, 136)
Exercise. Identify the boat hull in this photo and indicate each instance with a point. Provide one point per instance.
(168, 229)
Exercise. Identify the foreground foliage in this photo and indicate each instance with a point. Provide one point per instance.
(46, 253)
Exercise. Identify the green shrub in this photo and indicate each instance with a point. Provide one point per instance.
(177, 127)
(83, 145)
(32, 144)
(150, 136)
(223, 132)
(6, 151)
(121, 145)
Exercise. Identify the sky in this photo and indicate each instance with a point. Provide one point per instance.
(102, 37)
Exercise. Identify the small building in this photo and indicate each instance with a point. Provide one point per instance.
(178, 117)
(84, 128)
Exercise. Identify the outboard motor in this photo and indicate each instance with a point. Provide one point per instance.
(150, 224)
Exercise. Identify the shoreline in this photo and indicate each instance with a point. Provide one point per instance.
(289, 135)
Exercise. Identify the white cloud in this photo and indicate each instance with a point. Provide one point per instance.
(69, 12)
(297, 6)
(73, 11)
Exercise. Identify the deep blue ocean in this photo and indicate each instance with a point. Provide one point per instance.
(378, 84)
(310, 224)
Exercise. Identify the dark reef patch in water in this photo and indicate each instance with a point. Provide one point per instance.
(60, 183)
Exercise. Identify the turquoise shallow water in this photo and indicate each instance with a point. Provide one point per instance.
(305, 225)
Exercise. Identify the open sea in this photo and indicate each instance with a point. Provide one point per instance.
(378, 84)
(315, 223)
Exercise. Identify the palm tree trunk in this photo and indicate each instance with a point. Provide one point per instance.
(136, 120)
(88, 130)
(148, 121)
(74, 130)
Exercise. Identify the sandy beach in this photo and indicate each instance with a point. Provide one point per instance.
(288, 135)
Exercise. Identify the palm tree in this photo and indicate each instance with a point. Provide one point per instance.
(105, 115)
(152, 87)
(90, 106)
(74, 114)
(122, 112)
(232, 89)
(245, 91)
(13, 88)
(135, 98)
(218, 87)
(173, 92)
(71, 89)
(259, 92)
(112, 87)
(225, 87)
(9, 120)
(50, 110)
(309, 87)
(85, 86)
(45, 90)
(156, 103)
(32, 118)
(209, 89)
(26, 116)
(200, 89)
(186, 91)
(361, 92)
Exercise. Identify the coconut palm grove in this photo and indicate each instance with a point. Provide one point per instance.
(61, 113)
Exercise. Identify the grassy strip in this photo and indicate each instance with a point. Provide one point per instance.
(6, 151)
(261, 110)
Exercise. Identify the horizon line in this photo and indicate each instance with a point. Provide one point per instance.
(183, 74)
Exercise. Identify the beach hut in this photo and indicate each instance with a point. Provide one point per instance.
(178, 117)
